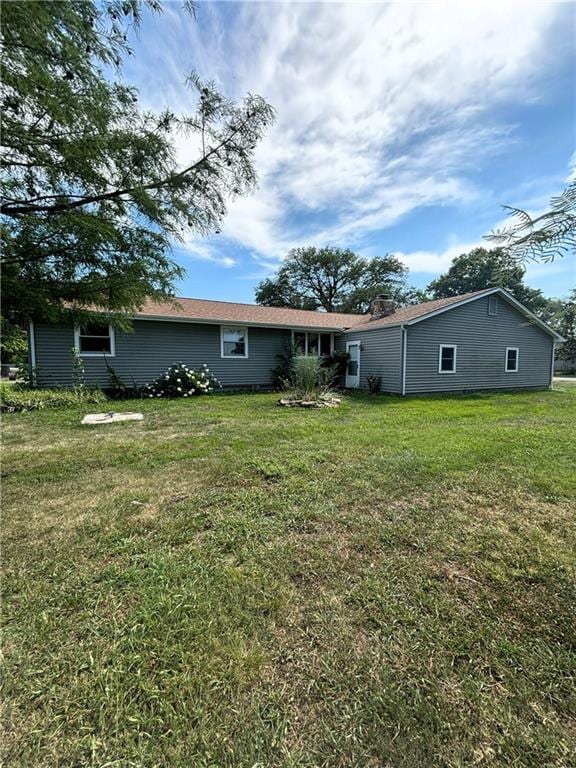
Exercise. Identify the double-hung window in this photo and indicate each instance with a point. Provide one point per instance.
(447, 358)
(312, 343)
(233, 341)
(511, 359)
(94, 339)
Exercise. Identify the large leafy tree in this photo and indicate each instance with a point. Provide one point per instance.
(481, 268)
(566, 325)
(93, 191)
(332, 279)
(541, 238)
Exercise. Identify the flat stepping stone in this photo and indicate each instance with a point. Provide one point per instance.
(109, 418)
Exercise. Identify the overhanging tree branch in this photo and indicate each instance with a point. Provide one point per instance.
(544, 237)
(23, 208)
(90, 184)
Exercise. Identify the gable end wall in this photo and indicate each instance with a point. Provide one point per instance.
(481, 340)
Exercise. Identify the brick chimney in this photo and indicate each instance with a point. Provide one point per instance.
(381, 306)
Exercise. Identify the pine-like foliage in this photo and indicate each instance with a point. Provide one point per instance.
(93, 191)
(544, 237)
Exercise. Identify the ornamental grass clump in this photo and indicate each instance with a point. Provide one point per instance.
(181, 381)
(309, 383)
(309, 379)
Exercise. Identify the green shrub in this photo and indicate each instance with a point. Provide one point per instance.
(181, 381)
(337, 362)
(13, 343)
(117, 389)
(78, 369)
(309, 378)
(14, 397)
(283, 371)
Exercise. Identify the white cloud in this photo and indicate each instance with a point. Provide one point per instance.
(382, 108)
(432, 262)
(572, 168)
(203, 251)
(436, 262)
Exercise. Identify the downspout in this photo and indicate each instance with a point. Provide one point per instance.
(404, 345)
(552, 364)
(32, 352)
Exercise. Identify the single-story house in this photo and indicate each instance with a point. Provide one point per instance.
(477, 341)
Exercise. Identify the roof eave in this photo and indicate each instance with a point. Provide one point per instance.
(247, 323)
(508, 296)
(366, 327)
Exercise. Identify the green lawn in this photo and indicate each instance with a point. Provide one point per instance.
(233, 584)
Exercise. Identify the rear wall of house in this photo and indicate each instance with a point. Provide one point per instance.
(380, 355)
(146, 353)
(481, 341)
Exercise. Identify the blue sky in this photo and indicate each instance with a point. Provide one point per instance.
(401, 128)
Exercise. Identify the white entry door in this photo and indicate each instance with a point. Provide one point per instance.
(353, 369)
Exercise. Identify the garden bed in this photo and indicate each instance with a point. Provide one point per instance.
(323, 401)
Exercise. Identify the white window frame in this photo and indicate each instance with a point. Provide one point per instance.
(111, 334)
(493, 302)
(242, 328)
(318, 334)
(447, 346)
(512, 370)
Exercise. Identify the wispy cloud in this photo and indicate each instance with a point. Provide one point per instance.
(203, 251)
(382, 109)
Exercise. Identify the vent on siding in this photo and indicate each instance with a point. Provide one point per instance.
(492, 305)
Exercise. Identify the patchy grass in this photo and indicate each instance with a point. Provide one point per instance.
(229, 583)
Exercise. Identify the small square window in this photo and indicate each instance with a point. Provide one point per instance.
(447, 358)
(511, 359)
(234, 342)
(95, 339)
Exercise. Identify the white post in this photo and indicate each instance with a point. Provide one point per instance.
(32, 345)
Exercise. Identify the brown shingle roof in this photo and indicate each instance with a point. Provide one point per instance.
(230, 312)
(413, 312)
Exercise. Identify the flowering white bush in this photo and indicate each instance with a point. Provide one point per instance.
(181, 381)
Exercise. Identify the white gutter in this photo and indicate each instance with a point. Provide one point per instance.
(404, 347)
(552, 364)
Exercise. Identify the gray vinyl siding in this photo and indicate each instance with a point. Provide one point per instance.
(380, 355)
(146, 353)
(481, 340)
